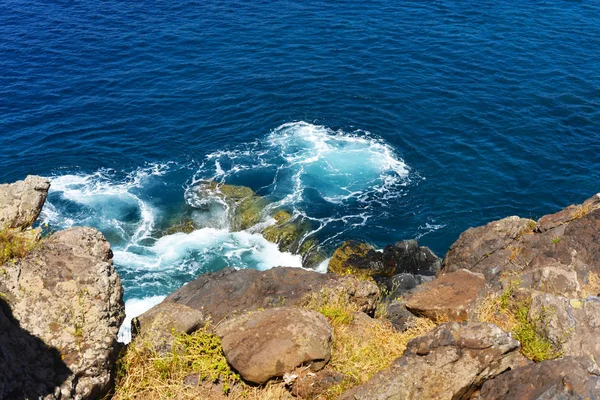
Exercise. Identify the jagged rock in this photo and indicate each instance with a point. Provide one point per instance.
(22, 201)
(165, 320)
(67, 293)
(310, 385)
(450, 362)
(408, 256)
(219, 294)
(451, 297)
(556, 255)
(567, 378)
(475, 247)
(358, 258)
(570, 324)
(266, 344)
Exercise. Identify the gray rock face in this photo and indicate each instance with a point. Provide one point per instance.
(218, 294)
(570, 324)
(450, 362)
(567, 378)
(67, 294)
(22, 201)
(265, 344)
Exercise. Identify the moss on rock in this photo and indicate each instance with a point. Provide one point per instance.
(247, 206)
(185, 226)
(360, 259)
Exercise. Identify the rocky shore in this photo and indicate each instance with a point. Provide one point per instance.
(511, 312)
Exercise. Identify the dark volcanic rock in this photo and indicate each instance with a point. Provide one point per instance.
(556, 255)
(218, 294)
(408, 256)
(450, 362)
(264, 344)
(567, 378)
(310, 385)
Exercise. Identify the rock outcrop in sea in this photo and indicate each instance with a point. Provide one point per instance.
(513, 302)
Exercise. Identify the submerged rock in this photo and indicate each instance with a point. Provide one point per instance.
(67, 294)
(265, 344)
(22, 201)
(450, 362)
(219, 294)
(245, 207)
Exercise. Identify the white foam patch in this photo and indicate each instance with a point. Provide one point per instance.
(134, 308)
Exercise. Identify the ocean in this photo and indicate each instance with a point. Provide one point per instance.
(372, 121)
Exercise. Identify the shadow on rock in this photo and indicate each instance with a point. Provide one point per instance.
(28, 367)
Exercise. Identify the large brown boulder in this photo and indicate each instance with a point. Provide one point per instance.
(567, 378)
(22, 201)
(265, 344)
(451, 297)
(555, 255)
(67, 294)
(450, 362)
(219, 294)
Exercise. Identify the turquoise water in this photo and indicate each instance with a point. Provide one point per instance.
(371, 121)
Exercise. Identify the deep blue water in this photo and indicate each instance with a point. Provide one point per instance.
(372, 120)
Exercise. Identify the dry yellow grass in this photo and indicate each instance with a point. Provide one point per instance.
(15, 244)
(581, 211)
(511, 314)
(359, 351)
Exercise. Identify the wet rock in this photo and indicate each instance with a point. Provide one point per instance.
(286, 233)
(407, 256)
(310, 385)
(165, 320)
(246, 206)
(182, 226)
(570, 324)
(219, 294)
(356, 258)
(67, 293)
(450, 362)
(22, 201)
(451, 297)
(567, 378)
(266, 344)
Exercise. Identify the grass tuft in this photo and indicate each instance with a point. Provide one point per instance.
(362, 347)
(143, 373)
(15, 244)
(511, 314)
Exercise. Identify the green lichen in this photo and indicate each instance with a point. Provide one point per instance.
(340, 262)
